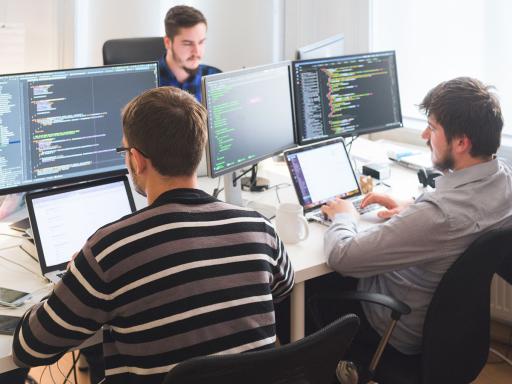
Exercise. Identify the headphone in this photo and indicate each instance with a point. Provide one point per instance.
(427, 176)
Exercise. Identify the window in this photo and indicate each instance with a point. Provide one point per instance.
(437, 40)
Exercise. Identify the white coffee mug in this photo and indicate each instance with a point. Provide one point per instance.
(291, 225)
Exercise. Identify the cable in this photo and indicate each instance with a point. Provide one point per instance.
(217, 190)
(501, 356)
(66, 380)
(75, 361)
(51, 374)
(277, 188)
(349, 145)
(42, 373)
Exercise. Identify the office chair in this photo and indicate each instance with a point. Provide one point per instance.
(456, 331)
(505, 269)
(311, 360)
(122, 51)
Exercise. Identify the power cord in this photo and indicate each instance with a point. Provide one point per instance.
(349, 145)
(217, 190)
(66, 379)
(51, 374)
(277, 187)
(42, 373)
(501, 356)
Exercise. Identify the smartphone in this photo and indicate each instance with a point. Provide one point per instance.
(12, 297)
(8, 324)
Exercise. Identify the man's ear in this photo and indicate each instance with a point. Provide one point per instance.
(462, 144)
(140, 163)
(167, 42)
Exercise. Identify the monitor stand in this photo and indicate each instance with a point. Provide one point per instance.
(232, 189)
(255, 183)
(233, 195)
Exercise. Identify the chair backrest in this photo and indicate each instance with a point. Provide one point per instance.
(311, 360)
(122, 51)
(456, 329)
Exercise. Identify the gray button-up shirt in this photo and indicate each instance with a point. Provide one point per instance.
(407, 256)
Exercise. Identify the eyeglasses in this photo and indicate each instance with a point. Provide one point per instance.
(122, 151)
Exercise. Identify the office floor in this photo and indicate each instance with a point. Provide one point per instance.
(56, 373)
(495, 372)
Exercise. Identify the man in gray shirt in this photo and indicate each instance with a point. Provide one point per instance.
(407, 256)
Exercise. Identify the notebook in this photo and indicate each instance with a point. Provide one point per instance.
(321, 172)
(62, 219)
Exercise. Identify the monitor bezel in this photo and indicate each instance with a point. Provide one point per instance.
(220, 76)
(76, 179)
(301, 51)
(365, 131)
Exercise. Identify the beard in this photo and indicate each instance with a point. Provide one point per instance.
(190, 71)
(181, 63)
(135, 181)
(445, 163)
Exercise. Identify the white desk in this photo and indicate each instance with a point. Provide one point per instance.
(307, 257)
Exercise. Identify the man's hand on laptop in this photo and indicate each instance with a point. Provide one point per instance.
(392, 206)
(333, 207)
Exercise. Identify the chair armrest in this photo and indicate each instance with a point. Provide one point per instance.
(398, 308)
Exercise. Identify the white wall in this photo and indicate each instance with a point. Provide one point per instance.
(242, 33)
(28, 35)
(308, 21)
(100, 20)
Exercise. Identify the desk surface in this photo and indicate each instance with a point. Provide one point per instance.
(307, 257)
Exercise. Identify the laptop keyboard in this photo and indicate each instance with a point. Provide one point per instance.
(368, 208)
(319, 217)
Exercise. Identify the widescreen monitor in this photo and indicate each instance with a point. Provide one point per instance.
(346, 96)
(329, 47)
(61, 127)
(250, 116)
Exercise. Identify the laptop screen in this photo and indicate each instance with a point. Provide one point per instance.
(63, 219)
(321, 172)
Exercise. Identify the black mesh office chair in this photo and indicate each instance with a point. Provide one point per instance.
(456, 332)
(121, 51)
(505, 269)
(311, 360)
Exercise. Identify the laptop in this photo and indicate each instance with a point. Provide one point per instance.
(321, 172)
(62, 219)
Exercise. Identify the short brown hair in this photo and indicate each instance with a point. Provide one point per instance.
(466, 107)
(181, 16)
(168, 126)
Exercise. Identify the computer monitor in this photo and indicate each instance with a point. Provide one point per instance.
(61, 127)
(332, 46)
(250, 116)
(346, 96)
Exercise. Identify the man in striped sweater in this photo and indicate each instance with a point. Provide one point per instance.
(189, 275)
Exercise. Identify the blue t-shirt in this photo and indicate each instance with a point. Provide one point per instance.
(191, 85)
